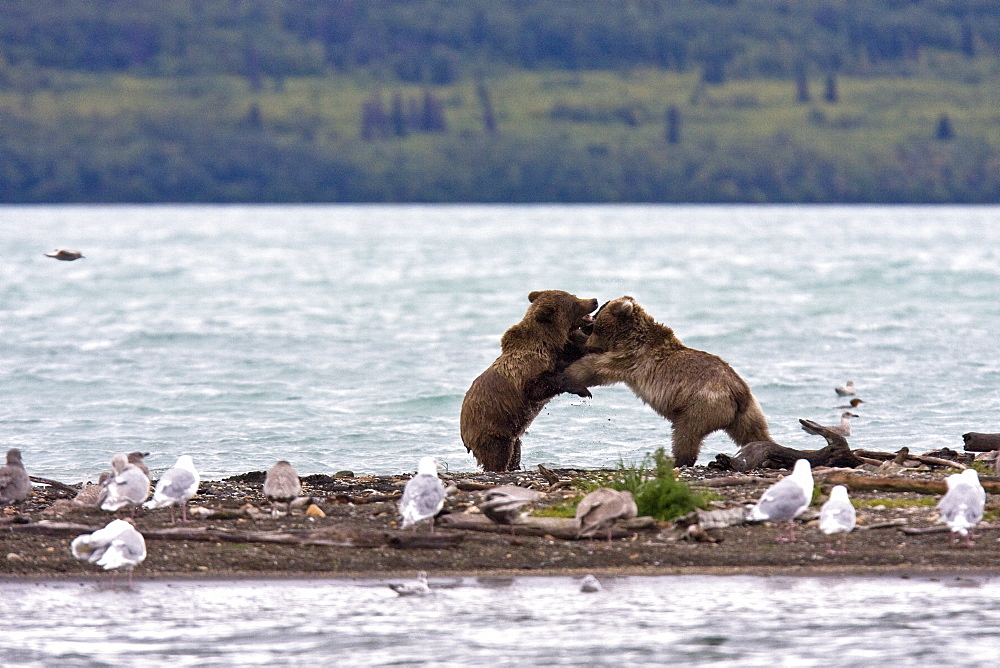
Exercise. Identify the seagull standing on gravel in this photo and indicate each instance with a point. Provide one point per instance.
(128, 485)
(423, 496)
(961, 508)
(503, 504)
(176, 487)
(15, 483)
(282, 485)
(786, 499)
(837, 516)
(116, 546)
(601, 509)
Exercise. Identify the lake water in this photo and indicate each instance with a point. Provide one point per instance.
(344, 337)
(525, 621)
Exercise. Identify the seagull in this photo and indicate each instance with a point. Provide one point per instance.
(418, 587)
(423, 496)
(128, 485)
(837, 516)
(65, 254)
(503, 504)
(786, 499)
(844, 428)
(176, 487)
(118, 545)
(92, 495)
(601, 508)
(589, 584)
(847, 390)
(15, 484)
(853, 403)
(138, 459)
(281, 485)
(961, 507)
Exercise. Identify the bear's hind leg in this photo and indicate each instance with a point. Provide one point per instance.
(515, 456)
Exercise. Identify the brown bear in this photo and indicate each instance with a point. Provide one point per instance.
(698, 392)
(505, 398)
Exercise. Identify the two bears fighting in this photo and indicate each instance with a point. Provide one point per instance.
(558, 347)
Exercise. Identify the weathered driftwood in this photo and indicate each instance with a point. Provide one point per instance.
(557, 527)
(733, 481)
(977, 442)
(714, 519)
(888, 524)
(916, 531)
(55, 483)
(902, 455)
(866, 483)
(331, 538)
(765, 454)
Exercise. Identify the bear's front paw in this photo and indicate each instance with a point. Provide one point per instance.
(580, 392)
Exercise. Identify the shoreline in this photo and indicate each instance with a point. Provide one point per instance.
(357, 536)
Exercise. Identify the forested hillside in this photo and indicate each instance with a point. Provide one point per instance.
(500, 100)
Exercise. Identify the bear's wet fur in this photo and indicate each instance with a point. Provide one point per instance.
(697, 391)
(534, 353)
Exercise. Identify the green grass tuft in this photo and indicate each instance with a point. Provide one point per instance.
(657, 492)
(895, 503)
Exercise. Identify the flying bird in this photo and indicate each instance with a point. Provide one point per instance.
(601, 509)
(119, 545)
(847, 390)
(423, 496)
(961, 508)
(15, 484)
(786, 499)
(127, 486)
(418, 587)
(503, 504)
(282, 485)
(837, 516)
(176, 487)
(65, 254)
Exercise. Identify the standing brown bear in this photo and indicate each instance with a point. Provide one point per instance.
(698, 392)
(506, 397)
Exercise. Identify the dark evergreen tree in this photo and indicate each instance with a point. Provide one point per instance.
(489, 116)
(944, 131)
(374, 121)
(830, 91)
(433, 119)
(672, 132)
(397, 116)
(801, 84)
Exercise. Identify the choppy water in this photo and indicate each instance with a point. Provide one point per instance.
(344, 337)
(747, 621)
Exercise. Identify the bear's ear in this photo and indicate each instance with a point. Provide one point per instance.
(532, 296)
(623, 308)
(545, 314)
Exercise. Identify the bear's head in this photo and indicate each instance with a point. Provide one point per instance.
(619, 323)
(559, 311)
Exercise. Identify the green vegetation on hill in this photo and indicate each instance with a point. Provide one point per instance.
(500, 100)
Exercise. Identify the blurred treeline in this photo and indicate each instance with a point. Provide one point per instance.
(500, 100)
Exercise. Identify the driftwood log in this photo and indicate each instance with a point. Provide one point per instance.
(869, 483)
(976, 442)
(330, 538)
(557, 527)
(55, 484)
(766, 454)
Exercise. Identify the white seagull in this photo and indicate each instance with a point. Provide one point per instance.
(418, 587)
(837, 516)
(176, 487)
(282, 485)
(786, 499)
(423, 496)
(847, 390)
(961, 508)
(589, 584)
(601, 509)
(128, 485)
(116, 546)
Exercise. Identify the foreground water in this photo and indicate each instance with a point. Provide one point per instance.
(515, 621)
(344, 337)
